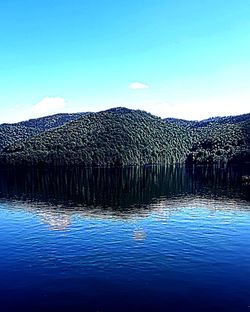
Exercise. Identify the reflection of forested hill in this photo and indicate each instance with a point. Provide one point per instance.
(119, 187)
(120, 193)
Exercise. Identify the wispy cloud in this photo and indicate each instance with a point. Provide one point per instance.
(137, 85)
(49, 105)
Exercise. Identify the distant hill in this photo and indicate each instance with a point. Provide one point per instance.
(180, 122)
(212, 120)
(10, 133)
(121, 136)
(49, 122)
(225, 120)
(110, 138)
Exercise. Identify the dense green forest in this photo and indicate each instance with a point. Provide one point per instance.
(110, 138)
(221, 143)
(210, 121)
(120, 136)
(218, 140)
(11, 133)
(49, 122)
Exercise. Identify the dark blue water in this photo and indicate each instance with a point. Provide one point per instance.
(152, 239)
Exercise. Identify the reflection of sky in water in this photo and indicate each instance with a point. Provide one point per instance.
(162, 256)
(139, 234)
(60, 217)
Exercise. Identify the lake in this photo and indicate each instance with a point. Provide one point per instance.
(131, 239)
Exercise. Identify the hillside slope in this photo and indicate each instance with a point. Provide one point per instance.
(218, 140)
(52, 121)
(209, 121)
(115, 137)
(10, 133)
(224, 143)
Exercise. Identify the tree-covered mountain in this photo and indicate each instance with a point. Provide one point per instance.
(10, 133)
(224, 120)
(221, 143)
(218, 140)
(180, 122)
(209, 121)
(120, 136)
(48, 122)
(115, 137)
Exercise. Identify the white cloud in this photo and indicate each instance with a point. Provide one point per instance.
(49, 105)
(137, 85)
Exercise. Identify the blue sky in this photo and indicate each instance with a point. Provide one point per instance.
(186, 59)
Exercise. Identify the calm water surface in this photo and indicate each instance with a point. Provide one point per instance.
(152, 239)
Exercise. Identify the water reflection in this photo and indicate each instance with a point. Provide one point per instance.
(94, 187)
(56, 195)
(139, 235)
(56, 220)
(120, 187)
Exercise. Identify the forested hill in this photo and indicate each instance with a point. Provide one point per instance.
(218, 140)
(115, 137)
(48, 122)
(10, 133)
(121, 136)
(225, 120)
(209, 121)
(181, 122)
